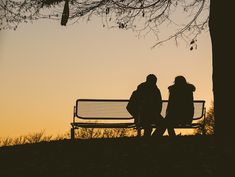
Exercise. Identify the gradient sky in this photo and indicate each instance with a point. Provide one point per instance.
(45, 67)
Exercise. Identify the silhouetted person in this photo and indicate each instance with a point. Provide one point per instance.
(180, 109)
(146, 104)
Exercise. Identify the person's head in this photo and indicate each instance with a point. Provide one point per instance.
(180, 80)
(151, 79)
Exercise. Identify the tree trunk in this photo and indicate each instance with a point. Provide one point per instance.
(223, 74)
(223, 77)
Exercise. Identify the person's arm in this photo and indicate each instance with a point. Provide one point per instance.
(159, 101)
(169, 101)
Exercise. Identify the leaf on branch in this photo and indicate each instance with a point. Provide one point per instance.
(107, 11)
(122, 25)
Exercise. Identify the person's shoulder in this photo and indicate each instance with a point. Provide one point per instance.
(191, 87)
(141, 86)
(171, 87)
(156, 88)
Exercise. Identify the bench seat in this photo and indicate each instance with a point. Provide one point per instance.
(104, 125)
(125, 125)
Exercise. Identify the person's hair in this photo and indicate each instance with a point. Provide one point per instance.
(151, 78)
(180, 80)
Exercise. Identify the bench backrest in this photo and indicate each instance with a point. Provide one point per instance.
(115, 109)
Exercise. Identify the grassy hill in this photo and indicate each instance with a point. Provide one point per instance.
(181, 156)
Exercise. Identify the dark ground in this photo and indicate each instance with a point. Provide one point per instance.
(182, 156)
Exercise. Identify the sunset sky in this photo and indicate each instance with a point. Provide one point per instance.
(45, 67)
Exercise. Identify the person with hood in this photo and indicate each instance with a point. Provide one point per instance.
(180, 108)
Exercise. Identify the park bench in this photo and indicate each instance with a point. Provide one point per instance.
(112, 113)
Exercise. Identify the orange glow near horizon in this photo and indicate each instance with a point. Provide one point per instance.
(45, 67)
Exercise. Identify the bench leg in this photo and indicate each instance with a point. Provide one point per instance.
(138, 132)
(72, 133)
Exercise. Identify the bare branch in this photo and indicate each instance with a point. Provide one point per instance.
(141, 16)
